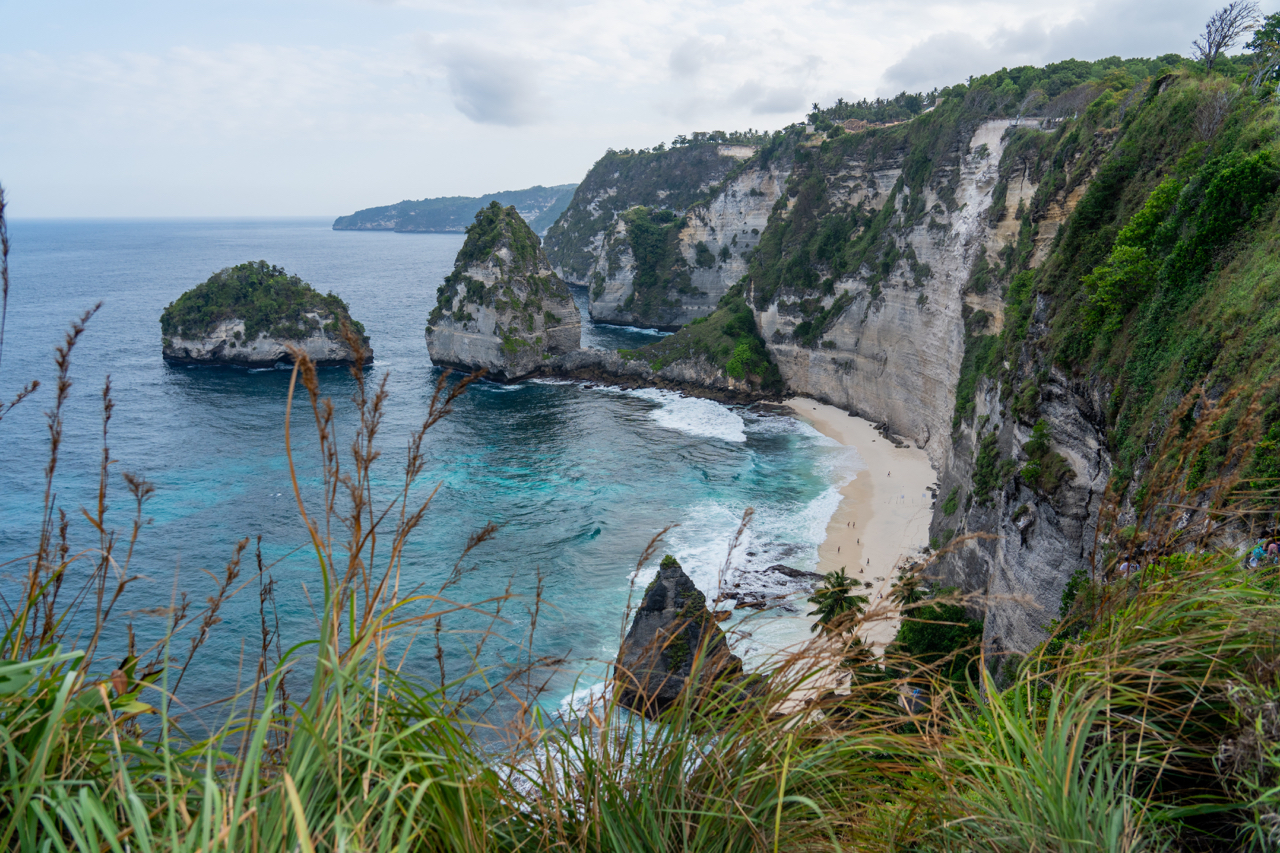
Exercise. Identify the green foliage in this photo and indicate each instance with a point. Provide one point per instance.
(981, 358)
(836, 605)
(986, 469)
(728, 339)
(952, 503)
(669, 562)
(661, 270)
(1046, 469)
(900, 107)
(940, 633)
(703, 256)
(266, 298)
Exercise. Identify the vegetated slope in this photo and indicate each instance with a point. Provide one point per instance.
(502, 308)
(540, 206)
(727, 341)
(267, 299)
(664, 178)
(1134, 381)
(888, 282)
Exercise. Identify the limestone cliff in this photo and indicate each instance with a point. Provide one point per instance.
(252, 315)
(502, 308)
(1038, 303)
(662, 178)
(654, 268)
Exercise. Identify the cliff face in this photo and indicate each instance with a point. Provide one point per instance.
(502, 308)
(665, 271)
(250, 315)
(663, 179)
(1066, 314)
(226, 344)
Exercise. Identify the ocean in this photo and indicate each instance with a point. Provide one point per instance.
(578, 478)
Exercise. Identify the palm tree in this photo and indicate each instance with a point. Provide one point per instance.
(835, 600)
(908, 590)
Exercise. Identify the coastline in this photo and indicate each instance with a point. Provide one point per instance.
(883, 516)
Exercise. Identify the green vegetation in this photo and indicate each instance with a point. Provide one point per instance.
(661, 270)
(836, 605)
(539, 206)
(496, 228)
(728, 339)
(1046, 469)
(664, 178)
(1162, 283)
(266, 298)
(952, 503)
(879, 111)
(938, 633)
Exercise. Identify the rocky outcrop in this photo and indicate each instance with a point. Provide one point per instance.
(673, 646)
(696, 376)
(256, 315)
(226, 345)
(502, 308)
(703, 253)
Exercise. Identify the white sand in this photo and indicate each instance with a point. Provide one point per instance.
(883, 517)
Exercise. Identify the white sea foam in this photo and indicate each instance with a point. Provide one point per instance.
(693, 415)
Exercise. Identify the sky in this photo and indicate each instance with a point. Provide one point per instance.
(322, 107)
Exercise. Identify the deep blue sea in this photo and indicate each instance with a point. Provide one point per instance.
(579, 478)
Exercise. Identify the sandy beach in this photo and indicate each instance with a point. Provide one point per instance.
(883, 515)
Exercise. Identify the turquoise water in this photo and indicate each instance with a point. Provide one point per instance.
(579, 478)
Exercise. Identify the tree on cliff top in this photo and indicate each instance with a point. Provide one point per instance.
(1224, 28)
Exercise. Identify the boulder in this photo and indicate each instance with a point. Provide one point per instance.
(672, 636)
(502, 308)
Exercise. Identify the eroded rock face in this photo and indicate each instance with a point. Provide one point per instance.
(502, 308)
(226, 345)
(632, 285)
(672, 634)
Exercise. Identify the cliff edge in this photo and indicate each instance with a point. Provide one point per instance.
(502, 308)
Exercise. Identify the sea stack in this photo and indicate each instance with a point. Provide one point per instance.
(502, 308)
(673, 634)
(251, 314)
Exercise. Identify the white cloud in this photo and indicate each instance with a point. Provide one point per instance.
(438, 97)
(493, 88)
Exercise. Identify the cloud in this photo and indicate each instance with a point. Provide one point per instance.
(768, 100)
(687, 57)
(493, 88)
(1111, 28)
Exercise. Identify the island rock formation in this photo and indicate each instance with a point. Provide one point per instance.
(674, 645)
(253, 315)
(502, 308)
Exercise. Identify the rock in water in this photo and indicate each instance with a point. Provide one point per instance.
(672, 632)
(502, 308)
(250, 314)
